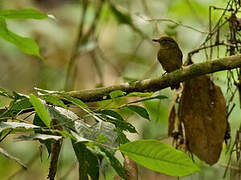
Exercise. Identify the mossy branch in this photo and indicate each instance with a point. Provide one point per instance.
(159, 83)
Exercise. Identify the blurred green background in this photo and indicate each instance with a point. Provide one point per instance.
(114, 53)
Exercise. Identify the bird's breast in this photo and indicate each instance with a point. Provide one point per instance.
(170, 59)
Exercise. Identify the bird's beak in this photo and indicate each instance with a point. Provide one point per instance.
(155, 40)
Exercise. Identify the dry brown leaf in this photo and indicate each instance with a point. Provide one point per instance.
(171, 121)
(203, 112)
(131, 167)
(239, 89)
(172, 115)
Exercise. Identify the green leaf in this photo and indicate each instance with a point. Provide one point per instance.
(5, 93)
(37, 121)
(121, 137)
(2, 112)
(77, 102)
(22, 14)
(9, 156)
(48, 135)
(112, 114)
(117, 119)
(66, 134)
(139, 94)
(17, 106)
(139, 110)
(40, 109)
(88, 160)
(159, 157)
(54, 100)
(102, 139)
(65, 118)
(117, 93)
(85, 132)
(26, 45)
(18, 96)
(115, 163)
(149, 98)
(42, 137)
(16, 126)
(44, 91)
(158, 111)
(81, 105)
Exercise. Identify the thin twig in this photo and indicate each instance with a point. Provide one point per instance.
(82, 37)
(218, 25)
(219, 8)
(131, 168)
(68, 81)
(134, 27)
(174, 22)
(206, 47)
(210, 30)
(6, 135)
(230, 157)
(229, 102)
(230, 167)
(56, 146)
(230, 111)
(95, 21)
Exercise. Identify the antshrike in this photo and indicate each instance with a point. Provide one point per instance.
(169, 55)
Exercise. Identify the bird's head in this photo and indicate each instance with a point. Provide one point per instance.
(166, 42)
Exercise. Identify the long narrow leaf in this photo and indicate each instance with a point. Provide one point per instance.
(115, 163)
(89, 161)
(6, 154)
(40, 109)
(22, 14)
(26, 45)
(43, 137)
(82, 106)
(115, 118)
(17, 126)
(54, 100)
(149, 98)
(139, 110)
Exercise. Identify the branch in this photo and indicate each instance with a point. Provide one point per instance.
(174, 22)
(159, 83)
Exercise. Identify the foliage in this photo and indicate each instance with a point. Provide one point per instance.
(26, 45)
(92, 144)
(159, 157)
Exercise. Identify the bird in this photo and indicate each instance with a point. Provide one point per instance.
(169, 55)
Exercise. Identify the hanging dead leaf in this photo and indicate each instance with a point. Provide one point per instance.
(172, 115)
(131, 168)
(171, 120)
(202, 110)
(239, 88)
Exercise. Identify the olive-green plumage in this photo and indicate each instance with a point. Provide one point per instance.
(169, 55)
